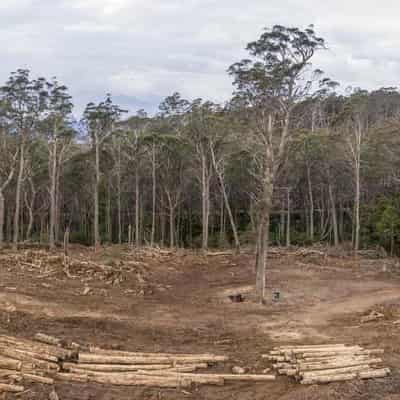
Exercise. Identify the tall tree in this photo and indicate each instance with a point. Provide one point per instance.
(100, 120)
(24, 101)
(269, 85)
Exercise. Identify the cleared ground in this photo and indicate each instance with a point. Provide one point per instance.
(178, 302)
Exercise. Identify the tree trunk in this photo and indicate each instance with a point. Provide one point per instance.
(334, 216)
(96, 197)
(53, 216)
(2, 214)
(108, 212)
(226, 200)
(357, 209)
(311, 199)
(119, 195)
(288, 219)
(18, 196)
(205, 201)
(137, 209)
(154, 181)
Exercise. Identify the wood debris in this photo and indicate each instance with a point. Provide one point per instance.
(47, 359)
(327, 363)
(372, 316)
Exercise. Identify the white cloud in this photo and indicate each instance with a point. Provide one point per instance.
(143, 51)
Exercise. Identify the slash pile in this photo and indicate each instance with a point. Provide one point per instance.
(48, 359)
(327, 363)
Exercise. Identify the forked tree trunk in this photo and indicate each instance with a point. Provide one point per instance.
(18, 196)
(226, 200)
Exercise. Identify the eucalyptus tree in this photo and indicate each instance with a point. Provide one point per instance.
(269, 84)
(9, 154)
(199, 128)
(101, 122)
(59, 134)
(135, 138)
(24, 101)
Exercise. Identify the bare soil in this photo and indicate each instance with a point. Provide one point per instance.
(178, 302)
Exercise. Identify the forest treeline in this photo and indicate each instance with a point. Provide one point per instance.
(291, 157)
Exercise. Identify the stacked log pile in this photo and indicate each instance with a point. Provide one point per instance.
(47, 359)
(327, 363)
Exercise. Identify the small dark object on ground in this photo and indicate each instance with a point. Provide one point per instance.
(236, 298)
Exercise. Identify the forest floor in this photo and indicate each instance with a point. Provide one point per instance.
(178, 302)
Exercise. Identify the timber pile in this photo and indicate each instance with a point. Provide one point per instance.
(48, 359)
(327, 363)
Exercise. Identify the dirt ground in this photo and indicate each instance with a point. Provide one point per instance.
(178, 302)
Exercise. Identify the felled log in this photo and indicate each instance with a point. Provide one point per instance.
(344, 363)
(127, 380)
(47, 339)
(205, 377)
(374, 373)
(335, 371)
(129, 368)
(10, 363)
(36, 347)
(90, 358)
(329, 378)
(11, 388)
(28, 357)
(81, 378)
(20, 354)
(335, 354)
(38, 379)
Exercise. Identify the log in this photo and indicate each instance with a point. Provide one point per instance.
(309, 346)
(11, 388)
(10, 363)
(36, 347)
(329, 360)
(329, 378)
(335, 371)
(114, 367)
(288, 371)
(100, 351)
(374, 373)
(90, 358)
(18, 353)
(47, 339)
(336, 353)
(339, 364)
(4, 373)
(337, 350)
(38, 379)
(81, 378)
(25, 356)
(150, 381)
(129, 368)
(225, 377)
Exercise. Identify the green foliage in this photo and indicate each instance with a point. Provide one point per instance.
(381, 223)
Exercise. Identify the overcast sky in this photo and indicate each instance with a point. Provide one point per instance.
(141, 51)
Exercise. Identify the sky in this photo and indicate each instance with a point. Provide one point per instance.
(142, 51)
